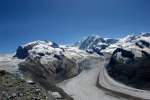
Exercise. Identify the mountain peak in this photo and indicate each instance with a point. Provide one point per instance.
(95, 43)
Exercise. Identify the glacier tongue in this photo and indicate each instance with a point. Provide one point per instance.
(83, 86)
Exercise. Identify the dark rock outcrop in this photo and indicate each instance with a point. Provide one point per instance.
(111, 41)
(21, 52)
(131, 71)
(142, 44)
(124, 53)
(121, 56)
(55, 45)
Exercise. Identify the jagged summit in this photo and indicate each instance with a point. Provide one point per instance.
(95, 43)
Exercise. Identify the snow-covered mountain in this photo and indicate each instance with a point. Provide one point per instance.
(137, 44)
(95, 43)
(40, 48)
(47, 49)
(129, 63)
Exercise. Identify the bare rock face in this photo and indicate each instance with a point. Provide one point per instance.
(21, 52)
(14, 88)
(49, 71)
(142, 44)
(127, 69)
(121, 56)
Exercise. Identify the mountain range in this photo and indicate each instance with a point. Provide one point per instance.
(94, 68)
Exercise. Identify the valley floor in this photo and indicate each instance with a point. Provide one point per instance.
(83, 87)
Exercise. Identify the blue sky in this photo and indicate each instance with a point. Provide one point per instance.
(67, 21)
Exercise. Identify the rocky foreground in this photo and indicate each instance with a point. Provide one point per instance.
(14, 88)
